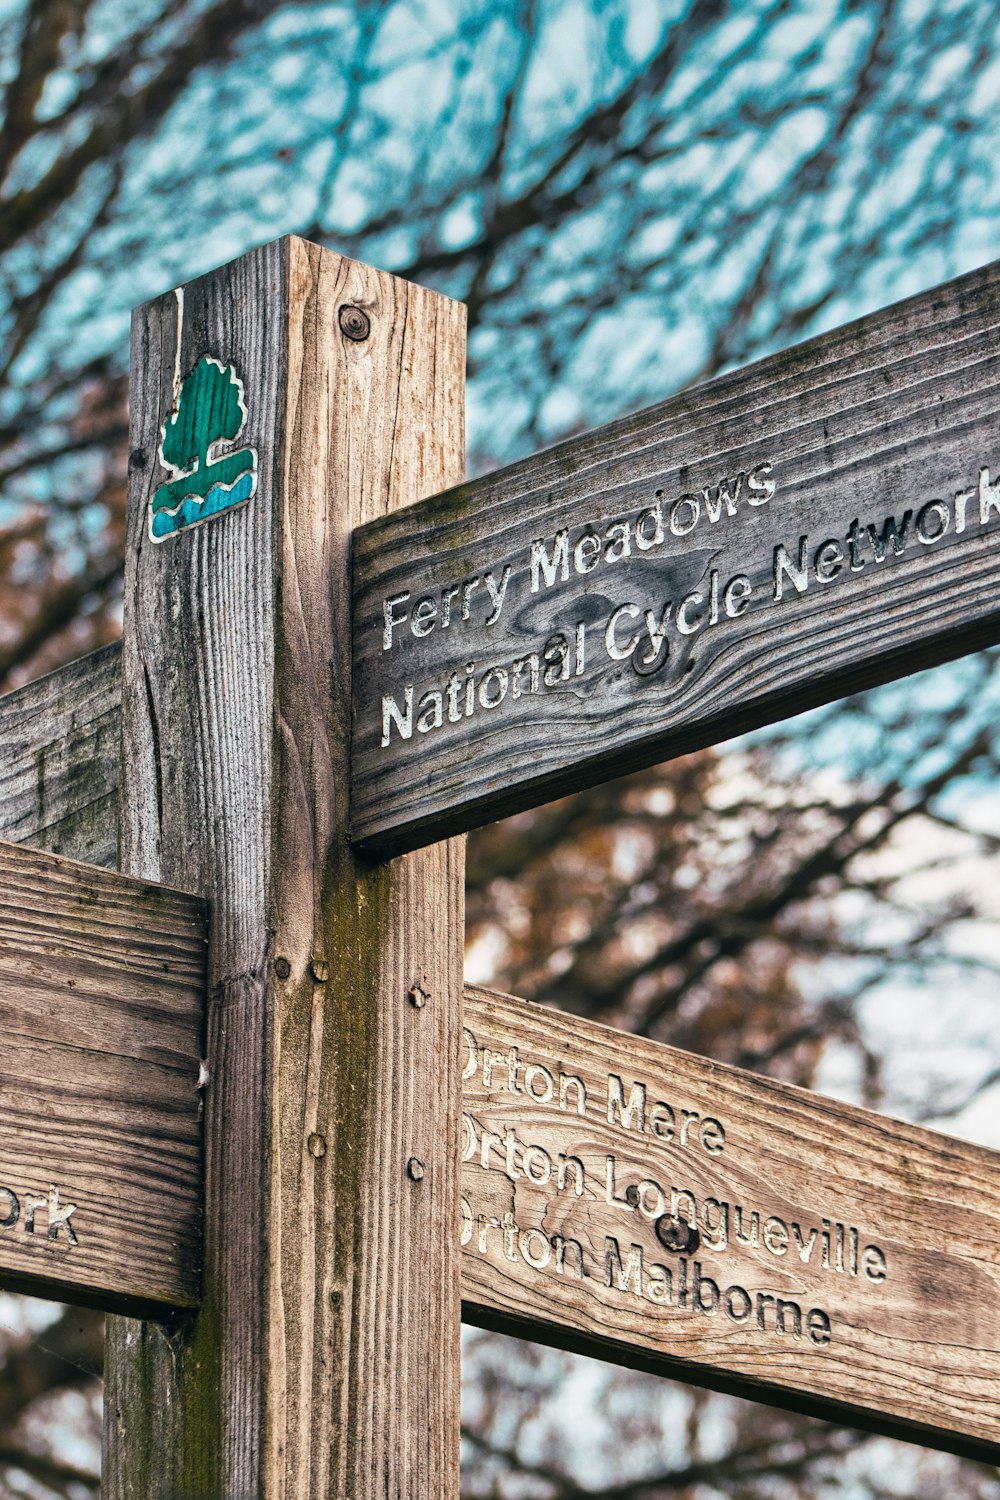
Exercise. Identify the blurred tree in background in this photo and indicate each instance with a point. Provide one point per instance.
(630, 195)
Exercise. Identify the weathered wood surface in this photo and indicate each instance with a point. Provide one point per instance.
(875, 1244)
(325, 1361)
(762, 577)
(102, 992)
(59, 753)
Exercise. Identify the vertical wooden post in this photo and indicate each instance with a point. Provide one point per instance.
(325, 1358)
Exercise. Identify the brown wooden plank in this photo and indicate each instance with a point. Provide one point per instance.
(892, 417)
(59, 752)
(102, 991)
(882, 1240)
(325, 1361)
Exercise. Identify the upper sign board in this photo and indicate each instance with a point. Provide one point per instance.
(102, 999)
(658, 1209)
(808, 526)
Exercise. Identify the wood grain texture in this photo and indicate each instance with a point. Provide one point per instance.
(59, 753)
(704, 629)
(882, 1239)
(102, 990)
(325, 1361)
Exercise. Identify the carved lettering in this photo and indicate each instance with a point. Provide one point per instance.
(490, 1234)
(553, 1142)
(27, 1212)
(692, 1291)
(659, 635)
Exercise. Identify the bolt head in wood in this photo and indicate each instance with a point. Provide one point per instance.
(320, 970)
(415, 1169)
(677, 1235)
(317, 1145)
(282, 968)
(354, 324)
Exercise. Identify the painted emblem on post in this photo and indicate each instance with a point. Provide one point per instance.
(209, 412)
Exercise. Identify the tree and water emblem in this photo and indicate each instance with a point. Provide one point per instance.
(209, 411)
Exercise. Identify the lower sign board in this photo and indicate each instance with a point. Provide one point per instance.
(102, 983)
(667, 1212)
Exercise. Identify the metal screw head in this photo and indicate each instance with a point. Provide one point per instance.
(317, 1145)
(354, 324)
(282, 968)
(677, 1235)
(415, 1168)
(320, 970)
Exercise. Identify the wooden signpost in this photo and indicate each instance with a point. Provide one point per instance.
(806, 527)
(275, 405)
(822, 521)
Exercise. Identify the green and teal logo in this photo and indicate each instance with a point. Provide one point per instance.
(209, 411)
